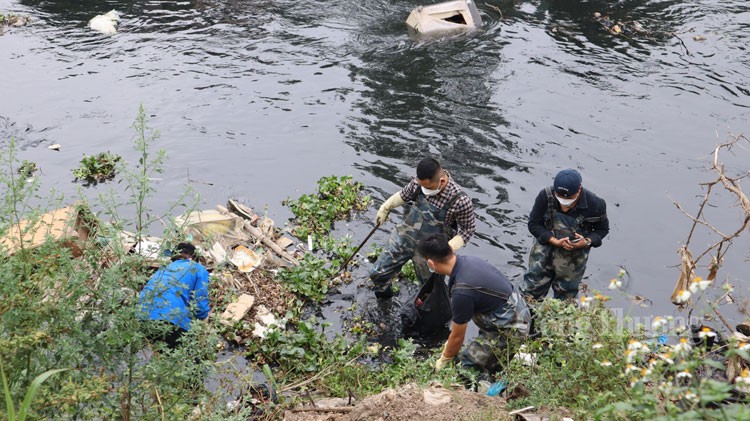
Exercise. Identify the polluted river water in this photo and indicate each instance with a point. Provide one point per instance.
(257, 100)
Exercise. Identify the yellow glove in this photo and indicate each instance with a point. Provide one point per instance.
(441, 362)
(386, 208)
(456, 243)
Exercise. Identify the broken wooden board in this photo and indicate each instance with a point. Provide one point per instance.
(237, 310)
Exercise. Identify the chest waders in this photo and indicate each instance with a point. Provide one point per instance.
(422, 220)
(500, 331)
(555, 267)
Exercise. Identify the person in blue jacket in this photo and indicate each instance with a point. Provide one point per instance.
(177, 294)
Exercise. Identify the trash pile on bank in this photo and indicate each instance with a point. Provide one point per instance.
(241, 250)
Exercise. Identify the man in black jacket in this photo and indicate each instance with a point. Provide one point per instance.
(566, 221)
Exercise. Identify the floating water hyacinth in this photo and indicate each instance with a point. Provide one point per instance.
(682, 296)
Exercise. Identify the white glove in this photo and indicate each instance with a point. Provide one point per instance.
(456, 243)
(441, 362)
(386, 208)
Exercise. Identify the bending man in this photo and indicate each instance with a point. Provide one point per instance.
(436, 205)
(176, 294)
(481, 293)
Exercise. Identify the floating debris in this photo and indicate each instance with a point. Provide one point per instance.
(448, 16)
(106, 23)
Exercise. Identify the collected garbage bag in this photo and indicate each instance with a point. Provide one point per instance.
(429, 311)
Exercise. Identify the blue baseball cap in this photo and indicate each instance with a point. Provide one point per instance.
(567, 183)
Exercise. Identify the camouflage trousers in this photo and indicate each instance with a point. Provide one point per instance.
(554, 267)
(500, 335)
(400, 249)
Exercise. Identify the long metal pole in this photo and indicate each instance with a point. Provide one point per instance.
(357, 250)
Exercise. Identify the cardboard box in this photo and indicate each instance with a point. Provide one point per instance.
(68, 225)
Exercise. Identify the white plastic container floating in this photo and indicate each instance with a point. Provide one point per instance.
(448, 16)
(106, 23)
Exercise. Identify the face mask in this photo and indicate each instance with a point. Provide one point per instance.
(431, 192)
(566, 202)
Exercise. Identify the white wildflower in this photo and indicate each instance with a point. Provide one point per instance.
(706, 332)
(742, 382)
(615, 283)
(658, 323)
(682, 297)
(605, 363)
(684, 374)
(683, 347)
(597, 346)
(635, 345)
(667, 358)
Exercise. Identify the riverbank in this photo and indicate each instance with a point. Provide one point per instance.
(71, 304)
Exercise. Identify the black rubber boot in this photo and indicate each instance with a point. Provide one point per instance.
(384, 293)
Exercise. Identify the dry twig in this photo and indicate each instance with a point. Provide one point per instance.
(719, 248)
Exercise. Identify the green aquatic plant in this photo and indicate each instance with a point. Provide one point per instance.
(27, 169)
(335, 199)
(310, 279)
(97, 168)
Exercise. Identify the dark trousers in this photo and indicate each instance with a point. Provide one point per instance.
(159, 330)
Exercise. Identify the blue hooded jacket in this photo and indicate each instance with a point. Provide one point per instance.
(176, 293)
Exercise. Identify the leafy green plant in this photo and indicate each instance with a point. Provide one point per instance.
(409, 273)
(27, 169)
(684, 380)
(578, 357)
(57, 310)
(310, 279)
(376, 251)
(97, 168)
(24, 408)
(336, 198)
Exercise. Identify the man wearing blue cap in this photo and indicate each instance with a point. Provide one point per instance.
(566, 221)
